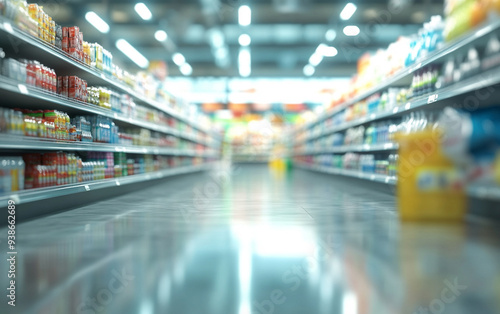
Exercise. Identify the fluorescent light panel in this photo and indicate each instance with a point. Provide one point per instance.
(143, 11)
(178, 59)
(244, 40)
(186, 69)
(245, 62)
(309, 70)
(132, 53)
(348, 11)
(351, 30)
(96, 21)
(315, 59)
(244, 15)
(161, 35)
(326, 51)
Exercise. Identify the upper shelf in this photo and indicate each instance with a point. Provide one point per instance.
(455, 46)
(12, 38)
(485, 79)
(29, 95)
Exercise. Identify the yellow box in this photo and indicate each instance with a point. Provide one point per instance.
(429, 187)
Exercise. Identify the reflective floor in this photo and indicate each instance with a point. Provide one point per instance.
(244, 239)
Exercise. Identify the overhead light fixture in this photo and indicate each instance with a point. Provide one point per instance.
(309, 70)
(186, 69)
(330, 35)
(96, 21)
(244, 40)
(143, 11)
(351, 30)
(327, 51)
(315, 59)
(132, 53)
(348, 11)
(245, 62)
(244, 15)
(178, 59)
(161, 35)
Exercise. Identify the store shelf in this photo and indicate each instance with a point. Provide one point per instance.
(488, 78)
(350, 173)
(11, 36)
(29, 196)
(29, 94)
(9, 142)
(453, 47)
(349, 148)
(486, 192)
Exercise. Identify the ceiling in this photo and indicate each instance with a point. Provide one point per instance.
(284, 33)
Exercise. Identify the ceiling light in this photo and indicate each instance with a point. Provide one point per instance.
(244, 40)
(143, 11)
(351, 30)
(326, 51)
(186, 69)
(178, 59)
(221, 53)
(330, 35)
(244, 15)
(161, 35)
(245, 62)
(309, 70)
(132, 53)
(315, 59)
(96, 21)
(216, 37)
(348, 11)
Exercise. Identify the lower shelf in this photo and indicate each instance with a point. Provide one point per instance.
(350, 173)
(484, 192)
(30, 196)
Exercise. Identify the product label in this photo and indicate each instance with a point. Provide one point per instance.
(439, 179)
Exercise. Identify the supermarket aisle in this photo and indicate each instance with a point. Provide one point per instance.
(265, 242)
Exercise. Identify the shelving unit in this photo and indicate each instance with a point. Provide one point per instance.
(35, 195)
(456, 46)
(349, 148)
(28, 143)
(47, 54)
(19, 44)
(305, 136)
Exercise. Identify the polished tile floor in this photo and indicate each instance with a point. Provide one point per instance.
(247, 240)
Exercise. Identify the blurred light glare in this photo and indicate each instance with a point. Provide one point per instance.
(309, 70)
(330, 35)
(244, 40)
(96, 21)
(351, 30)
(349, 303)
(315, 59)
(245, 62)
(132, 53)
(186, 69)
(326, 51)
(244, 15)
(348, 11)
(178, 59)
(143, 11)
(161, 35)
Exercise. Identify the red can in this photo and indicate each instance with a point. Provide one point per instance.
(72, 81)
(73, 42)
(65, 43)
(73, 31)
(64, 32)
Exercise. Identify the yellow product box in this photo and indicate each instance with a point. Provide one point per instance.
(429, 186)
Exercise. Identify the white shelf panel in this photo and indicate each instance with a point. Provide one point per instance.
(350, 148)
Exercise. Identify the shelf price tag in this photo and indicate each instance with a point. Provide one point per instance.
(432, 98)
(23, 89)
(87, 187)
(117, 183)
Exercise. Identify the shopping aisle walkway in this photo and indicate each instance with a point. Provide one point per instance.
(265, 242)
